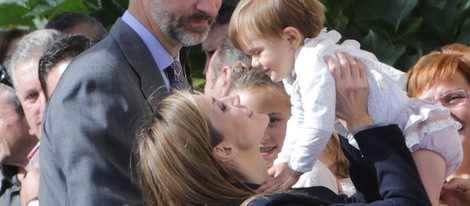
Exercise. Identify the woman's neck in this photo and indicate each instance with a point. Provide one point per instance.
(252, 171)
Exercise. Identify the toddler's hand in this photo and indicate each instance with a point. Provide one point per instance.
(456, 192)
(281, 177)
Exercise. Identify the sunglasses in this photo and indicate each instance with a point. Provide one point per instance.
(4, 77)
(454, 98)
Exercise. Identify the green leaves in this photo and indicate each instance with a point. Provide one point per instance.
(12, 15)
(383, 49)
(33, 14)
(385, 13)
(398, 32)
(51, 8)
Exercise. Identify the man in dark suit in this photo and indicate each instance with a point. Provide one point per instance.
(94, 113)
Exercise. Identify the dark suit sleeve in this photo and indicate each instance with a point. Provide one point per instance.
(91, 122)
(86, 149)
(384, 172)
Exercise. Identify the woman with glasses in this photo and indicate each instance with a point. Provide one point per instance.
(444, 77)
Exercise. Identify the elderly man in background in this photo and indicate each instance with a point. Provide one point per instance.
(15, 142)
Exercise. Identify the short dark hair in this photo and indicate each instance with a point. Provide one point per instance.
(225, 12)
(67, 20)
(11, 97)
(228, 55)
(65, 48)
(4, 77)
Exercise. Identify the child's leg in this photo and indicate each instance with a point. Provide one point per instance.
(431, 167)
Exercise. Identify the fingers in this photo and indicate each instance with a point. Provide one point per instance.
(345, 64)
(458, 184)
(353, 70)
(272, 171)
(362, 69)
(272, 184)
(268, 186)
(278, 183)
(351, 65)
(284, 178)
(335, 71)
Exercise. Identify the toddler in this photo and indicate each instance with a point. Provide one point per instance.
(286, 39)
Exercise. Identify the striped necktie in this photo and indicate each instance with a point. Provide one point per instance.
(176, 76)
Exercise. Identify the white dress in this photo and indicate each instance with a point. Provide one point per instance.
(312, 90)
(320, 175)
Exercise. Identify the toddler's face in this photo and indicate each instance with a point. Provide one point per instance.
(272, 54)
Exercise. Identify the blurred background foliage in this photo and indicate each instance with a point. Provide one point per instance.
(397, 31)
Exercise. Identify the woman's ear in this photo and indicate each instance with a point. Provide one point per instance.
(293, 36)
(224, 152)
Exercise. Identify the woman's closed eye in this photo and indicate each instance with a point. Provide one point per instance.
(222, 106)
(450, 98)
(454, 98)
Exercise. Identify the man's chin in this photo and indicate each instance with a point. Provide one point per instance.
(192, 38)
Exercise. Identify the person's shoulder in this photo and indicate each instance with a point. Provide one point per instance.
(103, 57)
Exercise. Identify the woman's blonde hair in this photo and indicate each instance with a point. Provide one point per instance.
(175, 161)
(271, 17)
(334, 157)
(437, 67)
(244, 78)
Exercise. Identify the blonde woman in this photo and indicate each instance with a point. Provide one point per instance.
(197, 150)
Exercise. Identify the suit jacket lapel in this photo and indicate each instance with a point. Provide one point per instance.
(141, 61)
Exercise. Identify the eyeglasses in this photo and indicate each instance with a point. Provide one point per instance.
(454, 98)
(4, 78)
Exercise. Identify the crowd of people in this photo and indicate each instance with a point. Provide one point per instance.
(288, 114)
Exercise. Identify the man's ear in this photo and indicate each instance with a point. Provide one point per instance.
(226, 73)
(226, 78)
(293, 36)
(224, 152)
